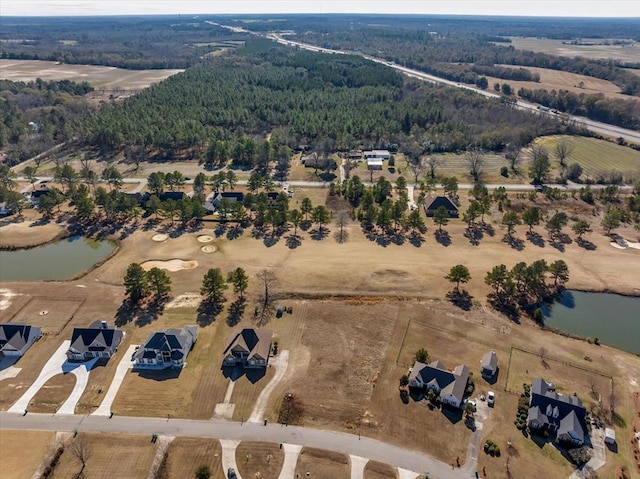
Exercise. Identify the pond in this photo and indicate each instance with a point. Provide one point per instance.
(64, 259)
(612, 318)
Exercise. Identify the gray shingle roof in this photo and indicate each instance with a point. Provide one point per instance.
(99, 336)
(255, 342)
(178, 342)
(15, 336)
(568, 409)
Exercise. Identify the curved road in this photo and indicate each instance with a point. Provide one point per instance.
(329, 440)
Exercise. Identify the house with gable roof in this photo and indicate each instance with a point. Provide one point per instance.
(489, 364)
(450, 385)
(166, 349)
(557, 413)
(99, 340)
(439, 201)
(248, 348)
(16, 338)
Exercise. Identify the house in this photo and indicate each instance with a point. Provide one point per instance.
(439, 201)
(230, 196)
(450, 385)
(374, 163)
(556, 413)
(16, 338)
(166, 349)
(99, 340)
(382, 154)
(140, 198)
(36, 194)
(172, 195)
(489, 364)
(272, 198)
(610, 436)
(249, 348)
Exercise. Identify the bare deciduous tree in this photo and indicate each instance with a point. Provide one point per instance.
(563, 149)
(342, 219)
(80, 448)
(267, 282)
(475, 160)
(433, 163)
(513, 154)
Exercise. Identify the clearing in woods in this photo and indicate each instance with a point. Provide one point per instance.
(594, 155)
(559, 48)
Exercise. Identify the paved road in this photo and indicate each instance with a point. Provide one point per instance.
(329, 440)
(595, 126)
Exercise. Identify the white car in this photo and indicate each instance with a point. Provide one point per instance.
(491, 398)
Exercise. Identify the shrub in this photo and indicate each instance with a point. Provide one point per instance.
(504, 171)
(579, 455)
(203, 472)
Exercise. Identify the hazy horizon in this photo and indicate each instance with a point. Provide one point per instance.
(530, 8)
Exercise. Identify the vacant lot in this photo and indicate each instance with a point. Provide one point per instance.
(22, 452)
(50, 314)
(100, 77)
(111, 455)
(186, 454)
(322, 464)
(379, 470)
(595, 156)
(558, 47)
(259, 459)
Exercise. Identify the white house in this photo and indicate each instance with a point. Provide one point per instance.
(166, 349)
(382, 154)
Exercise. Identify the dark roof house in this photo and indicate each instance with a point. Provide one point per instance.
(231, 196)
(166, 349)
(450, 385)
(172, 195)
(99, 340)
(249, 348)
(439, 201)
(16, 338)
(555, 412)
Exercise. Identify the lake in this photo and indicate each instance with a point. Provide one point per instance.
(64, 259)
(612, 318)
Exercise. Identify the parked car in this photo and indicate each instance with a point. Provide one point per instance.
(491, 398)
(231, 473)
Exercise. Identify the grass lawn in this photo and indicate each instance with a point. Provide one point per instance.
(322, 464)
(53, 393)
(22, 452)
(594, 155)
(59, 311)
(259, 459)
(186, 454)
(111, 456)
(246, 392)
(379, 470)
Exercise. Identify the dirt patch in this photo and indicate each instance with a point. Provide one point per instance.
(172, 265)
(187, 300)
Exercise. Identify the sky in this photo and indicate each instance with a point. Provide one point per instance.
(549, 8)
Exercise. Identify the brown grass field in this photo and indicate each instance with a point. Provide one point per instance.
(259, 459)
(100, 77)
(186, 454)
(379, 470)
(111, 456)
(557, 47)
(322, 464)
(65, 309)
(54, 392)
(22, 452)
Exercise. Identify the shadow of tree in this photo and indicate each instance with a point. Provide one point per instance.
(341, 236)
(270, 240)
(207, 313)
(416, 240)
(515, 243)
(235, 232)
(474, 235)
(293, 241)
(319, 234)
(460, 298)
(586, 244)
(236, 311)
(443, 237)
(487, 228)
(535, 238)
(140, 313)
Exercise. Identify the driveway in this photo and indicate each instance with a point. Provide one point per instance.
(122, 370)
(280, 362)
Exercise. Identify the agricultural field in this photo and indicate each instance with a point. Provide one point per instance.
(560, 80)
(596, 156)
(557, 47)
(100, 77)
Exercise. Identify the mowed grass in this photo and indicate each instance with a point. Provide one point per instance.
(97, 76)
(111, 456)
(594, 155)
(589, 385)
(246, 391)
(192, 391)
(259, 459)
(53, 393)
(322, 464)
(557, 47)
(379, 470)
(57, 313)
(22, 452)
(186, 454)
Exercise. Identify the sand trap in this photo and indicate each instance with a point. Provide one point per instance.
(43, 313)
(185, 300)
(622, 243)
(170, 265)
(205, 239)
(159, 237)
(616, 245)
(209, 249)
